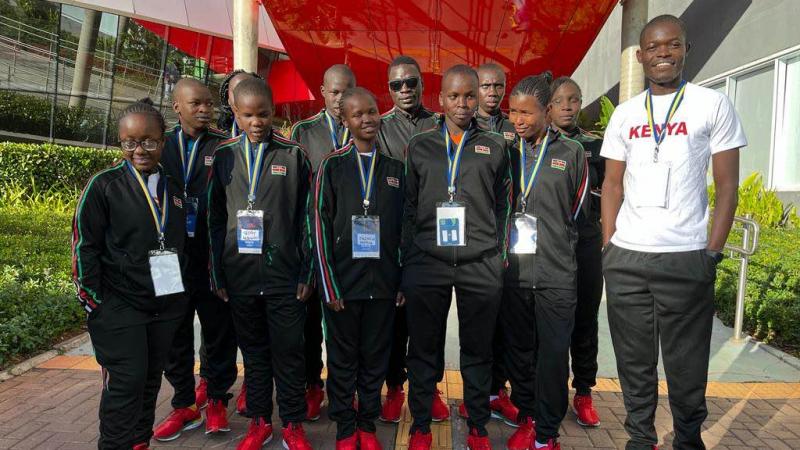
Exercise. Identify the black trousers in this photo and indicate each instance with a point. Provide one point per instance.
(538, 325)
(499, 376)
(590, 292)
(217, 362)
(666, 299)
(428, 287)
(269, 330)
(313, 340)
(396, 373)
(358, 342)
(131, 346)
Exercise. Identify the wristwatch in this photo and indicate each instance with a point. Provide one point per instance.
(715, 255)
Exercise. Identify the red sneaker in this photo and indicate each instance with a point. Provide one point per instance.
(523, 438)
(181, 419)
(201, 394)
(587, 415)
(348, 443)
(241, 401)
(314, 398)
(368, 441)
(552, 444)
(259, 433)
(216, 417)
(503, 409)
(475, 442)
(142, 446)
(393, 406)
(420, 441)
(439, 409)
(294, 438)
(462, 411)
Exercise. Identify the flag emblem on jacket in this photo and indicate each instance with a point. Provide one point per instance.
(177, 201)
(276, 169)
(393, 182)
(483, 150)
(508, 135)
(559, 164)
(208, 160)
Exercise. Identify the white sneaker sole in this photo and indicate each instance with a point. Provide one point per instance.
(190, 426)
(498, 416)
(585, 425)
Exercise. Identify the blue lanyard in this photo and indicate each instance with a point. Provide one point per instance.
(366, 178)
(526, 183)
(159, 213)
(187, 160)
(673, 108)
(453, 159)
(254, 161)
(334, 131)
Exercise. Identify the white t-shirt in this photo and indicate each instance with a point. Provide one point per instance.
(704, 124)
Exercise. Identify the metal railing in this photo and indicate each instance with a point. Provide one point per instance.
(750, 233)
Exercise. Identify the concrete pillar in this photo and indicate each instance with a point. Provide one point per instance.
(631, 77)
(245, 35)
(84, 58)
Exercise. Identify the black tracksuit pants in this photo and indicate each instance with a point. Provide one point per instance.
(396, 373)
(358, 342)
(132, 347)
(428, 288)
(313, 340)
(583, 348)
(217, 362)
(664, 299)
(269, 330)
(538, 325)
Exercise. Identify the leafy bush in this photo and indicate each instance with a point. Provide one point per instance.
(52, 166)
(772, 301)
(762, 203)
(30, 114)
(606, 110)
(37, 300)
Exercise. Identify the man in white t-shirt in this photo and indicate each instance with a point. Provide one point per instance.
(658, 260)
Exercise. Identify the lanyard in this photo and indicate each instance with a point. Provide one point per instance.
(159, 215)
(673, 107)
(254, 164)
(526, 187)
(187, 163)
(234, 129)
(333, 129)
(366, 179)
(453, 160)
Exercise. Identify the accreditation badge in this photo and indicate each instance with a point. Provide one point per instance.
(450, 224)
(366, 236)
(250, 231)
(165, 270)
(191, 215)
(652, 185)
(524, 234)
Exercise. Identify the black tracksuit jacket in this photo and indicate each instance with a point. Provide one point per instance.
(113, 232)
(589, 224)
(483, 185)
(498, 123)
(284, 195)
(196, 247)
(397, 127)
(338, 198)
(315, 137)
(556, 200)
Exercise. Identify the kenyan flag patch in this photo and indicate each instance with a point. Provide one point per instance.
(483, 150)
(278, 170)
(559, 164)
(508, 135)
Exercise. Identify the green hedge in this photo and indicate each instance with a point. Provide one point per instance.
(51, 165)
(30, 114)
(772, 307)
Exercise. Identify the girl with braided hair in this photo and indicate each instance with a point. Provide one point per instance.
(226, 119)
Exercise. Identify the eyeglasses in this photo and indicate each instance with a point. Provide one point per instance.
(411, 82)
(148, 145)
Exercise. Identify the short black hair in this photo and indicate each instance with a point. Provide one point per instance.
(460, 69)
(342, 69)
(253, 87)
(403, 60)
(560, 81)
(225, 119)
(146, 107)
(492, 66)
(353, 92)
(537, 86)
(664, 18)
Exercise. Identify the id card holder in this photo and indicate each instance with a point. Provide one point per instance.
(165, 270)
(652, 182)
(250, 231)
(450, 224)
(366, 237)
(524, 234)
(191, 215)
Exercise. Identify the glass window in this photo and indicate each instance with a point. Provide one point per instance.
(753, 101)
(787, 151)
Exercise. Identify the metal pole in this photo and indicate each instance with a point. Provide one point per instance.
(245, 35)
(55, 91)
(634, 18)
(738, 323)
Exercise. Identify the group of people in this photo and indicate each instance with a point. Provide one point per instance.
(361, 227)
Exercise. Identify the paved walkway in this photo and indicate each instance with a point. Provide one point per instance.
(754, 402)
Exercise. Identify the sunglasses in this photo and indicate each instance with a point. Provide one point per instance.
(411, 82)
(148, 145)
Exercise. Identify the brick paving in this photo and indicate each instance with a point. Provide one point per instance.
(56, 408)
